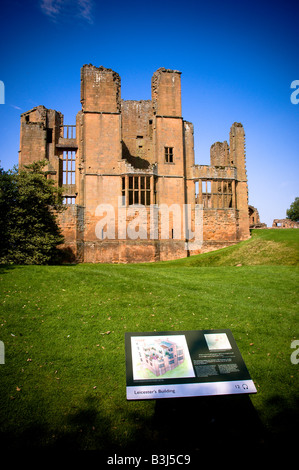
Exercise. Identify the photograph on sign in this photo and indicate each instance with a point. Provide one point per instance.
(184, 364)
(217, 341)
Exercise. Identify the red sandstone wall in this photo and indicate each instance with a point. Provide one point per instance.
(220, 225)
(72, 224)
(100, 89)
(137, 132)
(166, 92)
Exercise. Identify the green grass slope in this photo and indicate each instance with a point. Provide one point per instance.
(265, 247)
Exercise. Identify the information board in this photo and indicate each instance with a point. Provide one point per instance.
(176, 364)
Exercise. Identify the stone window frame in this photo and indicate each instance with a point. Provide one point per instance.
(168, 155)
(136, 189)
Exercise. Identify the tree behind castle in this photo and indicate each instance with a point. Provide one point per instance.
(293, 211)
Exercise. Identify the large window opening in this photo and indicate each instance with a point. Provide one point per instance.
(136, 190)
(217, 194)
(69, 167)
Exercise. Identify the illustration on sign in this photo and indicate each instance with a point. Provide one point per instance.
(184, 364)
(164, 356)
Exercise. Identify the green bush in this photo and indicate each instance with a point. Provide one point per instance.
(29, 203)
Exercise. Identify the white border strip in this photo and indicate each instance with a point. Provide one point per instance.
(152, 392)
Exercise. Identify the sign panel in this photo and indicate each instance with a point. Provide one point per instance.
(175, 364)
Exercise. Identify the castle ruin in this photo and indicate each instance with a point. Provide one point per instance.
(129, 154)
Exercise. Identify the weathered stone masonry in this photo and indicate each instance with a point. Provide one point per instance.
(142, 152)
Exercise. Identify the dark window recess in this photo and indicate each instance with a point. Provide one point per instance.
(49, 136)
(168, 154)
(123, 191)
(130, 198)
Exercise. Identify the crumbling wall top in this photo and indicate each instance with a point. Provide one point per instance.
(41, 114)
(101, 68)
(164, 70)
(166, 92)
(100, 89)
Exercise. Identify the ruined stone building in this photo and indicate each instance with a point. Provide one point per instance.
(285, 223)
(122, 155)
(254, 218)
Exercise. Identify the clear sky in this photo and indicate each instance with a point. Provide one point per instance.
(238, 60)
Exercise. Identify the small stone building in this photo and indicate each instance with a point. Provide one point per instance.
(285, 223)
(122, 157)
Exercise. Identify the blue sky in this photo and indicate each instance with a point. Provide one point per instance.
(238, 60)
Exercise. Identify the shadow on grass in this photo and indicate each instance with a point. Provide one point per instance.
(5, 268)
(83, 429)
(193, 426)
(208, 423)
(283, 422)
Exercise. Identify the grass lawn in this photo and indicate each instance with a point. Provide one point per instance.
(63, 382)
